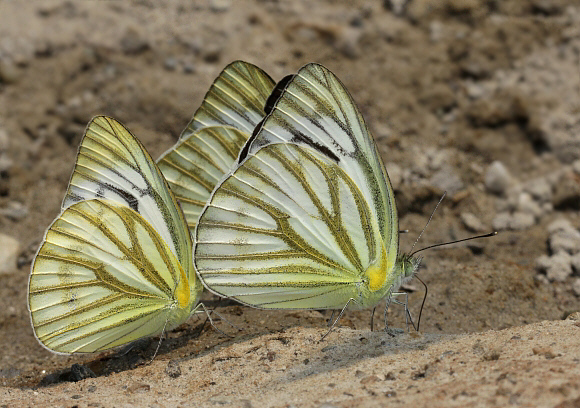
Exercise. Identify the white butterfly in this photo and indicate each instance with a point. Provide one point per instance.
(116, 264)
(211, 142)
(307, 219)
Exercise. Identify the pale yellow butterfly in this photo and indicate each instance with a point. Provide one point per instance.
(307, 218)
(116, 264)
(211, 142)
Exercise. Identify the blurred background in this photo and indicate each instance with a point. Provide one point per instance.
(479, 98)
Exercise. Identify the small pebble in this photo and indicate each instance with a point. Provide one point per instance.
(219, 6)
(14, 211)
(188, 68)
(9, 250)
(560, 267)
(576, 166)
(474, 90)
(134, 42)
(170, 63)
(502, 221)
(542, 279)
(396, 6)
(539, 189)
(528, 205)
(5, 162)
(173, 369)
(347, 42)
(471, 222)
(516, 221)
(521, 220)
(543, 262)
(435, 31)
(576, 287)
(567, 193)
(447, 180)
(497, 178)
(8, 73)
(561, 224)
(565, 240)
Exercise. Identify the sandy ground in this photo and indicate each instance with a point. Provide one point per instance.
(447, 87)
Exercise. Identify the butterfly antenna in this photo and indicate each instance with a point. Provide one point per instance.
(489, 234)
(428, 221)
(423, 303)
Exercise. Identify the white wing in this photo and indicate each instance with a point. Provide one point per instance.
(116, 265)
(114, 165)
(307, 219)
(197, 163)
(103, 277)
(236, 98)
(290, 229)
(316, 110)
(211, 142)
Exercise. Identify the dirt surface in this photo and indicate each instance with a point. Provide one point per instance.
(447, 87)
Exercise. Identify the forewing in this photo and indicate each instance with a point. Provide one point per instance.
(197, 163)
(236, 98)
(287, 229)
(112, 164)
(103, 277)
(316, 110)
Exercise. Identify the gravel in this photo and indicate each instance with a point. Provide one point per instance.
(564, 244)
(9, 250)
(497, 178)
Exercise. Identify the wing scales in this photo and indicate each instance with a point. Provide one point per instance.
(236, 98)
(92, 288)
(196, 163)
(316, 110)
(303, 254)
(112, 164)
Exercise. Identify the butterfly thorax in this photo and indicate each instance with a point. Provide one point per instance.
(385, 277)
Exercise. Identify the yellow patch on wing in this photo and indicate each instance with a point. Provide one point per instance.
(377, 271)
(183, 291)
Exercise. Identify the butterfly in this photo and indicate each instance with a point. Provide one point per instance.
(211, 142)
(306, 219)
(116, 264)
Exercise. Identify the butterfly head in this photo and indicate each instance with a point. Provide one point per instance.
(408, 266)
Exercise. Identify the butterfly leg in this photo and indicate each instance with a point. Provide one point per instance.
(389, 297)
(159, 343)
(208, 314)
(338, 318)
(408, 317)
(372, 318)
(331, 318)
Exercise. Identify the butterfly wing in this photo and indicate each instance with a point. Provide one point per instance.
(114, 165)
(211, 142)
(103, 277)
(314, 226)
(316, 110)
(121, 233)
(290, 229)
(236, 98)
(197, 163)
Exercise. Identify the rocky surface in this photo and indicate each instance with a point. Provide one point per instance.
(477, 98)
